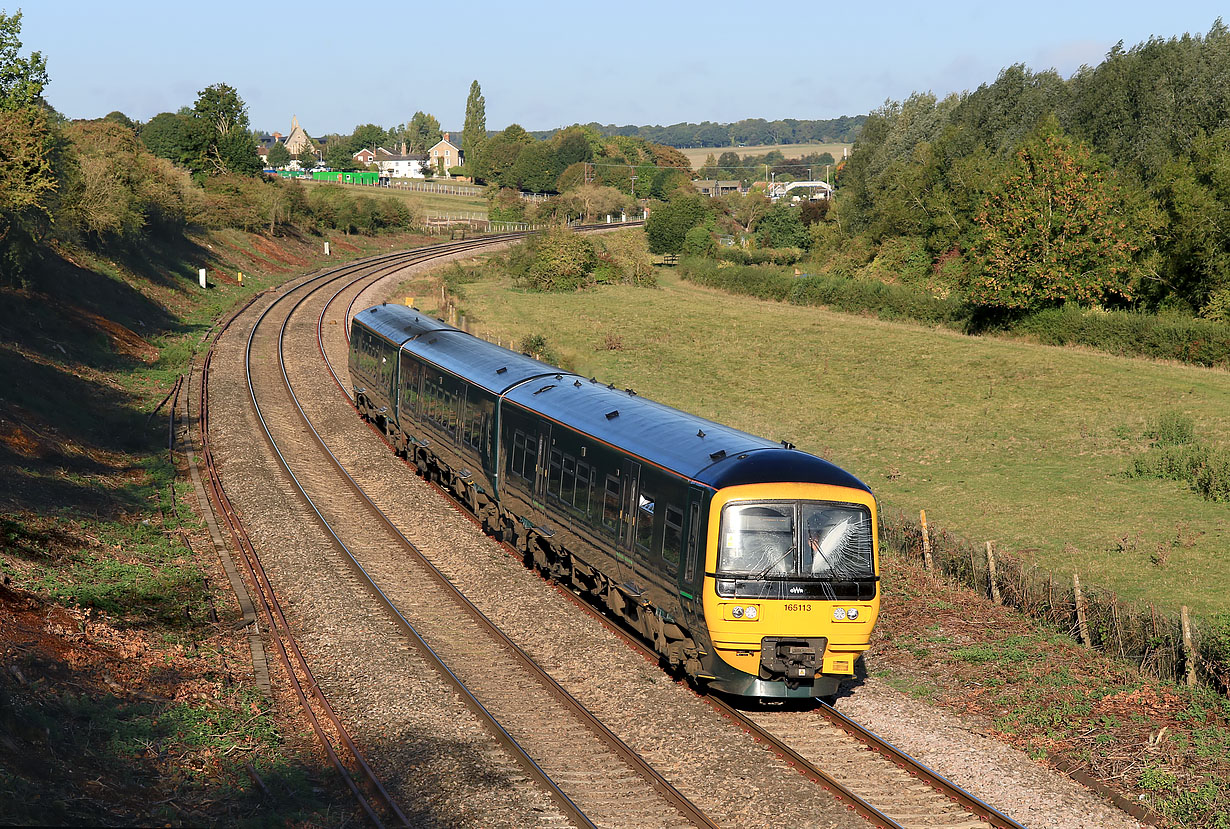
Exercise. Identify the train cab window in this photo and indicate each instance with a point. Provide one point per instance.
(644, 520)
(610, 504)
(837, 541)
(672, 540)
(758, 540)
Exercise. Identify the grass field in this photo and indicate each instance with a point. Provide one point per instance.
(697, 155)
(1022, 444)
(428, 204)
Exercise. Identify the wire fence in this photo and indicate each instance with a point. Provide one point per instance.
(1163, 642)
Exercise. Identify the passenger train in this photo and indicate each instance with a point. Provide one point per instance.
(751, 567)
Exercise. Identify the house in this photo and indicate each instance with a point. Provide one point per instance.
(399, 165)
(445, 154)
(364, 156)
(711, 187)
(265, 142)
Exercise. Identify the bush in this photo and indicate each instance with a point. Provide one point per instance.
(1129, 333)
(1172, 428)
(558, 260)
(698, 242)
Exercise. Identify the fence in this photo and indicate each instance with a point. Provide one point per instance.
(439, 188)
(1163, 643)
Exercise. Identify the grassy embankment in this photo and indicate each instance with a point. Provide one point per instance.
(126, 695)
(997, 439)
(697, 155)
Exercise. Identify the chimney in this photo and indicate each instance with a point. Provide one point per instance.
(446, 136)
(403, 148)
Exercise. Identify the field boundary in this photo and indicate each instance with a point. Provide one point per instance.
(1153, 639)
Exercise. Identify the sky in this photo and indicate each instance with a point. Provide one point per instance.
(546, 65)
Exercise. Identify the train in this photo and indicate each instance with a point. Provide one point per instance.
(750, 566)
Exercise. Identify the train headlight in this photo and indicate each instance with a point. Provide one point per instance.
(839, 614)
(737, 611)
(852, 614)
(752, 611)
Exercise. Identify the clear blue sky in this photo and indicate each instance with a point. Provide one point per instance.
(545, 65)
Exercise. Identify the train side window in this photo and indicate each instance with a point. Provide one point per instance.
(524, 455)
(585, 484)
(644, 520)
(610, 504)
(694, 543)
(673, 538)
(554, 474)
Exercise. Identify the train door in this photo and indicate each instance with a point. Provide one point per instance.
(637, 513)
(692, 573)
(542, 469)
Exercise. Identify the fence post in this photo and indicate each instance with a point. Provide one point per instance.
(1081, 623)
(926, 539)
(1189, 655)
(995, 596)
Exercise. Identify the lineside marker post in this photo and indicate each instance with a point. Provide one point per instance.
(1189, 654)
(1081, 623)
(926, 539)
(995, 596)
(201, 273)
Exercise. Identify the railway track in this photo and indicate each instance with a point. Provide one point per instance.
(592, 784)
(879, 782)
(607, 783)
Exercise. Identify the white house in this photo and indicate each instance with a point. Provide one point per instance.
(399, 165)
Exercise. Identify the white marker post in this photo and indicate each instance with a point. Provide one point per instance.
(326, 248)
(202, 275)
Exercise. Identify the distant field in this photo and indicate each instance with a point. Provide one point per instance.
(432, 204)
(997, 439)
(697, 155)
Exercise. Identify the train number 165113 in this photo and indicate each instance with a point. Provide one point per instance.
(797, 606)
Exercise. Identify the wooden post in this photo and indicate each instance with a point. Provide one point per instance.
(926, 539)
(1081, 623)
(995, 597)
(1189, 655)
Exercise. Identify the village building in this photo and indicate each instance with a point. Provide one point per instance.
(400, 165)
(444, 154)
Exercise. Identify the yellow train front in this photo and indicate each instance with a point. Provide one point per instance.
(790, 594)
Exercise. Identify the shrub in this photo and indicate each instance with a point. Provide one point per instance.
(698, 242)
(1130, 333)
(1171, 428)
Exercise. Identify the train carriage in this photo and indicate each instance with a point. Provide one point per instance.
(750, 566)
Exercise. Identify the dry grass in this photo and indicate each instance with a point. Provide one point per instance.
(697, 155)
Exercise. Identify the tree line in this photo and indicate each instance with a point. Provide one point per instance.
(748, 132)
(1105, 189)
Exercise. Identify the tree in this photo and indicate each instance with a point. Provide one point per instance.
(21, 79)
(422, 133)
(120, 118)
(368, 136)
(669, 222)
(1054, 230)
(221, 123)
(307, 157)
(278, 156)
(535, 169)
(782, 227)
(339, 157)
(474, 132)
(169, 135)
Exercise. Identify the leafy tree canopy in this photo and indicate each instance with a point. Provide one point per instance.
(21, 79)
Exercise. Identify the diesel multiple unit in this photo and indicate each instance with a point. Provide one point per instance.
(751, 566)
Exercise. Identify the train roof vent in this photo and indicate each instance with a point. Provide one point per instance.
(700, 433)
(612, 414)
(433, 340)
(545, 388)
(501, 370)
(718, 455)
(577, 384)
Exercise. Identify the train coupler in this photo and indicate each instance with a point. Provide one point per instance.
(794, 659)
